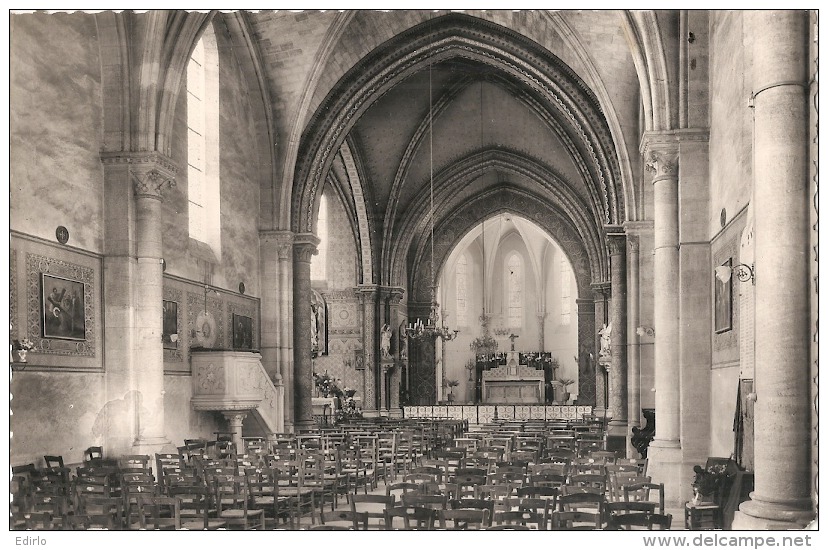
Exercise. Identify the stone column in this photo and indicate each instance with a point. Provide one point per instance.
(599, 299)
(633, 352)
(275, 249)
(661, 155)
(235, 419)
(782, 495)
(395, 300)
(304, 247)
(586, 351)
(368, 300)
(618, 339)
(148, 372)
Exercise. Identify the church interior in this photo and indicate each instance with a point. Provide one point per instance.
(413, 269)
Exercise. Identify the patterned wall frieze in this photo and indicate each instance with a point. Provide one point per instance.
(37, 265)
(15, 329)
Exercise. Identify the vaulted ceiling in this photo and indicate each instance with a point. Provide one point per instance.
(537, 104)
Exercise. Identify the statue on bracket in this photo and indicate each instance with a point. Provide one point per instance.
(606, 341)
(385, 341)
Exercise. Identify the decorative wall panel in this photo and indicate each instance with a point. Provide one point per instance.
(176, 355)
(37, 265)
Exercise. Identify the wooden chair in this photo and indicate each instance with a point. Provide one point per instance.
(133, 488)
(643, 492)
(474, 504)
(576, 521)
(159, 513)
(103, 512)
(53, 461)
(358, 521)
(139, 464)
(464, 519)
(93, 455)
(586, 483)
(265, 496)
(413, 518)
(533, 520)
(437, 502)
(194, 508)
(374, 506)
(232, 503)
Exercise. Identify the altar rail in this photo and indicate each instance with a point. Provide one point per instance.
(483, 414)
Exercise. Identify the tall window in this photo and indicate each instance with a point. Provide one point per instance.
(319, 262)
(514, 271)
(566, 285)
(460, 281)
(203, 192)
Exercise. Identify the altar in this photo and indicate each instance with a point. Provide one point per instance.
(513, 383)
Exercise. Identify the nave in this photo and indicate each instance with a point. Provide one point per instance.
(368, 475)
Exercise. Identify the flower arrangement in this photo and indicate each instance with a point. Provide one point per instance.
(709, 481)
(25, 344)
(485, 344)
(349, 408)
(326, 385)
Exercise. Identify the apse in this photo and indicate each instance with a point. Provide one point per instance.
(505, 277)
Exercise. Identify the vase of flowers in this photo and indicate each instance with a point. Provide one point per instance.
(22, 347)
(709, 482)
(451, 385)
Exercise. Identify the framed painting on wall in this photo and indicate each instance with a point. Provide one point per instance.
(242, 332)
(723, 304)
(169, 335)
(62, 308)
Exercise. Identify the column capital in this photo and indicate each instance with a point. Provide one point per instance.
(304, 246)
(633, 243)
(602, 289)
(616, 243)
(141, 160)
(281, 238)
(367, 289)
(395, 294)
(149, 181)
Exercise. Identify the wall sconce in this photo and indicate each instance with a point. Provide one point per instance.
(645, 331)
(743, 272)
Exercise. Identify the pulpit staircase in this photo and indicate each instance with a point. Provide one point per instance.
(236, 384)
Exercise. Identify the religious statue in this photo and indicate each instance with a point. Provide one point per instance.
(385, 341)
(512, 338)
(606, 334)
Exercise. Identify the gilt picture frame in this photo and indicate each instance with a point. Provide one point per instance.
(62, 308)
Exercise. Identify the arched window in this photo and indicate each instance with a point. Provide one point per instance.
(203, 191)
(319, 262)
(514, 272)
(566, 286)
(460, 282)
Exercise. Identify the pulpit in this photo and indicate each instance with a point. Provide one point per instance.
(513, 383)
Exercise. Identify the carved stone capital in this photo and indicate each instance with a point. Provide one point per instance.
(633, 244)
(304, 247)
(601, 290)
(662, 163)
(150, 183)
(140, 161)
(283, 241)
(616, 243)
